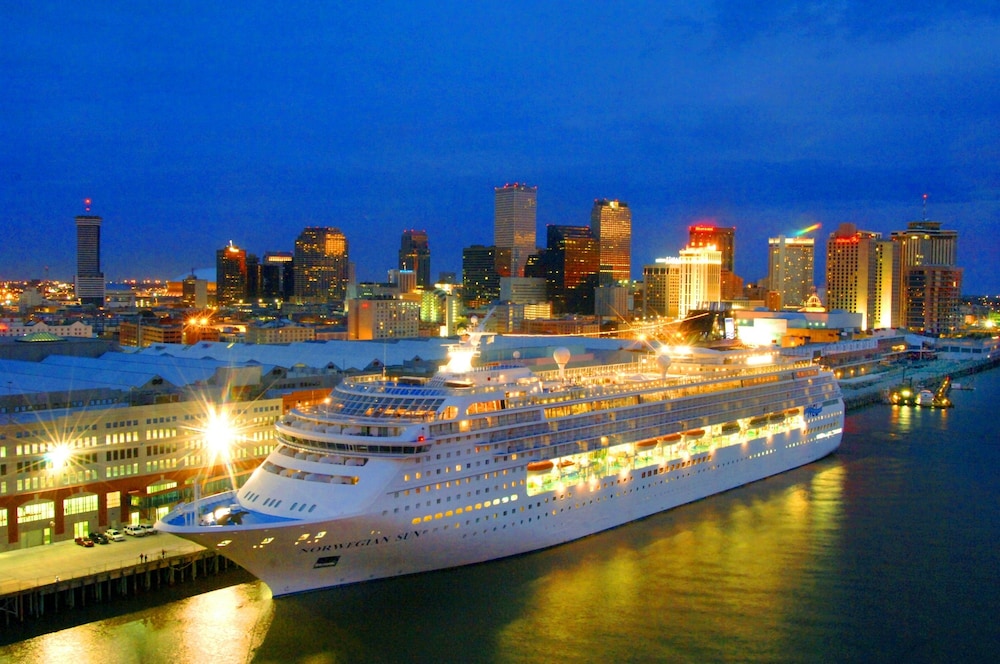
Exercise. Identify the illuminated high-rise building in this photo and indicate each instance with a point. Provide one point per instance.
(415, 255)
(699, 280)
(231, 286)
(927, 285)
(480, 280)
(723, 239)
(571, 265)
(611, 225)
(859, 275)
(790, 268)
(277, 277)
(661, 287)
(321, 266)
(89, 280)
(514, 220)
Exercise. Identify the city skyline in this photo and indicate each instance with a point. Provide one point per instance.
(768, 120)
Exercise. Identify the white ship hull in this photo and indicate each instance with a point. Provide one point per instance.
(370, 546)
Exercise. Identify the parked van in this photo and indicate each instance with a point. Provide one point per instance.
(114, 535)
(135, 531)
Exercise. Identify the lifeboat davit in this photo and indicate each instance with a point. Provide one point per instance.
(540, 466)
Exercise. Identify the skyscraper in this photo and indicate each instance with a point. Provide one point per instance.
(480, 280)
(859, 275)
(790, 268)
(231, 285)
(700, 279)
(277, 278)
(89, 281)
(661, 287)
(611, 224)
(723, 239)
(926, 282)
(571, 263)
(514, 208)
(415, 255)
(321, 265)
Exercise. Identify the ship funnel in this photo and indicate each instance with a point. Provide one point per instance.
(561, 355)
(663, 361)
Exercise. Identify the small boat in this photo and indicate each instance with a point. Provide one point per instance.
(758, 421)
(540, 466)
(730, 427)
(645, 445)
(669, 439)
(925, 398)
(694, 433)
(776, 417)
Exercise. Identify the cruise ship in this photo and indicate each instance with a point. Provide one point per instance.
(398, 476)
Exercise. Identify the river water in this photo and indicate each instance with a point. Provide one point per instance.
(884, 552)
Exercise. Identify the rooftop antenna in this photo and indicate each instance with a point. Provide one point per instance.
(925, 207)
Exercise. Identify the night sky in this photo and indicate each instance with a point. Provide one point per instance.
(191, 124)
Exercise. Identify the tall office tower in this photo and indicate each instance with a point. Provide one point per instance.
(571, 263)
(723, 239)
(321, 265)
(923, 244)
(277, 278)
(89, 278)
(415, 255)
(790, 268)
(661, 287)
(611, 224)
(230, 275)
(480, 280)
(514, 208)
(700, 279)
(859, 275)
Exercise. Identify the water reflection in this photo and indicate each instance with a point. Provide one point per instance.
(220, 627)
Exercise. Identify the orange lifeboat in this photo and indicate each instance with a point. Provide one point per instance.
(540, 466)
(645, 445)
(672, 438)
(694, 433)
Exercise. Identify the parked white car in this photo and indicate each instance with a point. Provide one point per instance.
(150, 530)
(135, 531)
(114, 535)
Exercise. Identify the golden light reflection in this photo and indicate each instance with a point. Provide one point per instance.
(748, 555)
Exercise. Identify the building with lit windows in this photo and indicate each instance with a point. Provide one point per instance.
(699, 279)
(859, 275)
(321, 265)
(571, 264)
(231, 277)
(723, 239)
(661, 287)
(514, 223)
(386, 318)
(611, 225)
(790, 268)
(933, 293)
(480, 278)
(277, 276)
(415, 256)
(89, 281)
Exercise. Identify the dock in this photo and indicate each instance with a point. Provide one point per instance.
(58, 577)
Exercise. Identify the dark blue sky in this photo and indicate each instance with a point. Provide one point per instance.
(191, 124)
